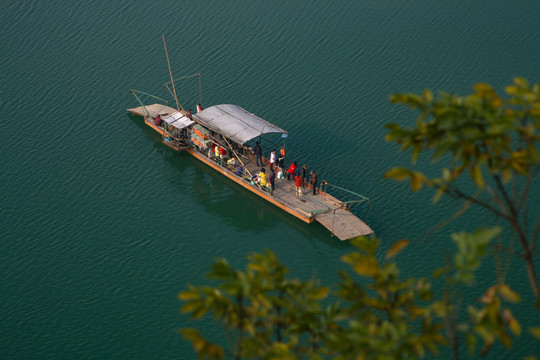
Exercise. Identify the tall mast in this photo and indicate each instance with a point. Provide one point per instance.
(178, 105)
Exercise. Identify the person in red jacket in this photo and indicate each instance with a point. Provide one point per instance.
(298, 184)
(291, 170)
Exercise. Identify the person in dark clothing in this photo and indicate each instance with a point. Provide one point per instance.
(239, 170)
(314, 182)
(257, 150)
(189, 114)
(304, 176)
(280, 162)
(271, 180)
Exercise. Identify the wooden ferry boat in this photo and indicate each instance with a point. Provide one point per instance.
(234, 130)
(223, 137)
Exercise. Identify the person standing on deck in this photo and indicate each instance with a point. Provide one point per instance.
(262, 177)
(314, 182)
(291, 170)
(298, 184)
(271, 179)
(257, 150)
(304, 176)
(280, 162)
(216, 152)
(189, 114)
(272, 159)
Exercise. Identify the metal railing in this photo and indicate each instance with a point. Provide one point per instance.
(345, 204)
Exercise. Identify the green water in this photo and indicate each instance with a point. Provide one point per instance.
(101, 226)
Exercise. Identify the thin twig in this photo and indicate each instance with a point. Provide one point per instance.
(508, 250)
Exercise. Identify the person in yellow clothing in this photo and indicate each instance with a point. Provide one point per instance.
(262, 177)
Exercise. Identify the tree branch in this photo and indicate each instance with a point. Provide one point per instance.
(507, 199)
(535, 234)
(508, 250)
(496, 199)
(239, 299)
(456, 193)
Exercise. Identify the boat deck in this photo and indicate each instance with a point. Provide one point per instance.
(322, 207)
(154, 110)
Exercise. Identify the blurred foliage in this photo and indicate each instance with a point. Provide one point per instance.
(377, 315)
(491, 140)
(479, 134)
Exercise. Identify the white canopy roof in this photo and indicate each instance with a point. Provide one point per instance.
(178, 120)
(235, 123)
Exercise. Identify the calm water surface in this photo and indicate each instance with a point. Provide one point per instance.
(101, 226)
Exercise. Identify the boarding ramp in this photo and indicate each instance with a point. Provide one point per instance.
(337, 217)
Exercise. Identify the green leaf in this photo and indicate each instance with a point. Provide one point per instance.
(513, 324)
(442, 149)
(508, 294)
(417, 148)
(471, 343)
(507, 175)
(396, 248)
(521, 82)
(367, 245)
(417, 180)
(535, 331)
(189, 295)
(518, 168)
(511, 90)
(440, 271)
(398, 174)
(533, 153)
(476, 174)
(362, 265)
(427, 95)
(439, 193)
(190, 334)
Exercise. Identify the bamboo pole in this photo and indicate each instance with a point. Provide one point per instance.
(241, 162)
(178, 105)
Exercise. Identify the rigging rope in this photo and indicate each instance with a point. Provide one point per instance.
(166, 85)
(152, 96)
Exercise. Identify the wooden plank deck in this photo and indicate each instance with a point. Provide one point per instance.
(322, 207)
(343, 224)
(153, 109)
